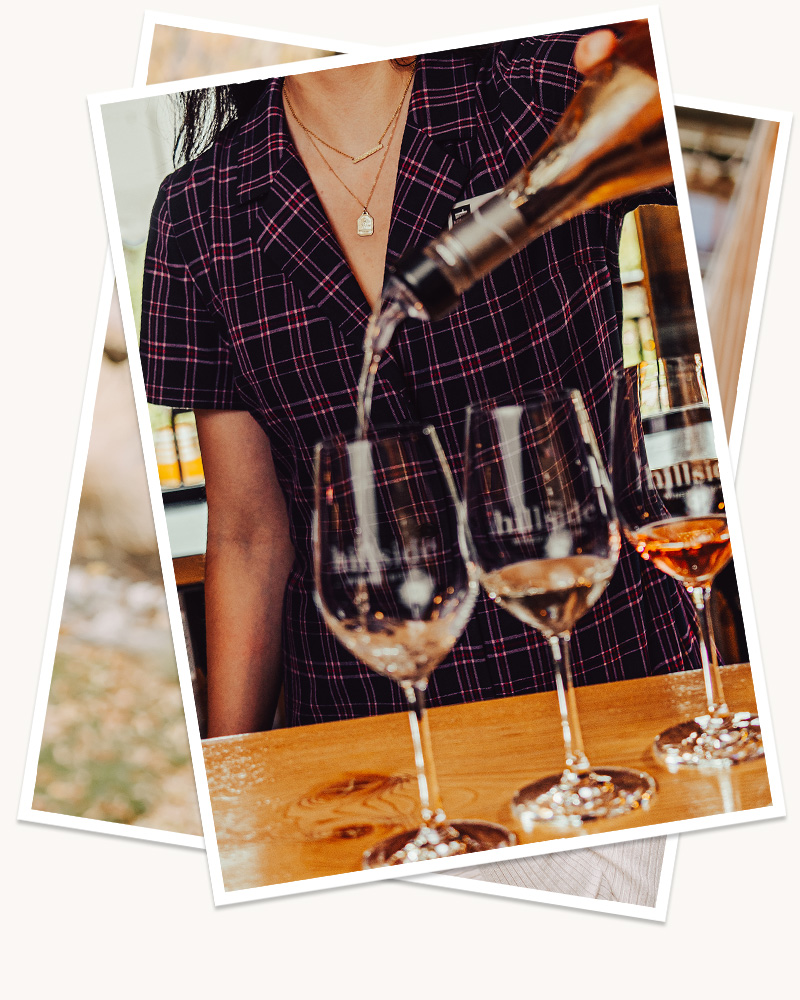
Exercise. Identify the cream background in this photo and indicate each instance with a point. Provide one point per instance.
(92, 915)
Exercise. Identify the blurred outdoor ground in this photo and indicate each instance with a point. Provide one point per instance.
(114, 746)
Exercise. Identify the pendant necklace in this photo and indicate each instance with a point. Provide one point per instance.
(365, 224)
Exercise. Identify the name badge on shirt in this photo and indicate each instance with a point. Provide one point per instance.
(462, 208)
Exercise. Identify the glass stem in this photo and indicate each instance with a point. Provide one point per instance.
(429, 798)
(576, 759)
(715, 696)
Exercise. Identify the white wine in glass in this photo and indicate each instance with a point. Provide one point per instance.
(545, 537)
(395, 590)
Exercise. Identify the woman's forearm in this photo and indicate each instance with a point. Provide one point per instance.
(248, 559)
(244, 590)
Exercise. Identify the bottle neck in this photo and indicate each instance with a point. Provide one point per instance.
(610, 144)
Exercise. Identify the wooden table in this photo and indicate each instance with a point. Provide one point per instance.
(302, 803)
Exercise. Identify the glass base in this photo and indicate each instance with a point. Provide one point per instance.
(430, 843)
(570, 799)
(710, 741)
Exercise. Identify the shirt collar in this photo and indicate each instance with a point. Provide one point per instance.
(442, 107)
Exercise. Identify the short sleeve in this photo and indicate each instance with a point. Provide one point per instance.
(186, 361)
(540, 71)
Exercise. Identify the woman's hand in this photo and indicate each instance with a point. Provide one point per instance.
(593, 49)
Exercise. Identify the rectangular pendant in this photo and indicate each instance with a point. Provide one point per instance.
(369, 152)
(366, 224)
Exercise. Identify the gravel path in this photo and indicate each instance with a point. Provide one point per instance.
(114, 745)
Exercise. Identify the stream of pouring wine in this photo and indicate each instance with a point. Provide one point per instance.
(385, 319)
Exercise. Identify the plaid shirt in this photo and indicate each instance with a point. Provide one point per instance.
(249, 304)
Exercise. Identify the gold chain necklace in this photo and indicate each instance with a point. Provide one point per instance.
(341, 152)
(365, 224)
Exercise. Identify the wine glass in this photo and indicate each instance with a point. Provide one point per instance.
(665, 475)
(545, 538)
(395, 590)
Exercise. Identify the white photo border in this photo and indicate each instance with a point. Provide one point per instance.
(346, 878)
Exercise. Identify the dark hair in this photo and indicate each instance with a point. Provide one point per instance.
(203, 114)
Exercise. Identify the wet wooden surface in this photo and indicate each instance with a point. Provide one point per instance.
(302, 803)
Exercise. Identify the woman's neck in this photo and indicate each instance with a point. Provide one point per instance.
(349, 106)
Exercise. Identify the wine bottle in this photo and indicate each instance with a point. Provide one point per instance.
(609, 144)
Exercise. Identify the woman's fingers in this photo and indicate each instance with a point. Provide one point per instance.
(593, 49)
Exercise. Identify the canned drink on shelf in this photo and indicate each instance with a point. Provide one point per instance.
(188, 449)
(169, 471)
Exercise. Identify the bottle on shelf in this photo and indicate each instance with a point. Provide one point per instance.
(169, 471)
(188, 448)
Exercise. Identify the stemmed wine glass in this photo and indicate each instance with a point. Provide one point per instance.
(665, 475)
(545, 538)
(395, 590)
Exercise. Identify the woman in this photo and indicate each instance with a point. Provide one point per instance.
(260, 277)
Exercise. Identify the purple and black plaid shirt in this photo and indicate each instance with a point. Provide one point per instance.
(249, 304)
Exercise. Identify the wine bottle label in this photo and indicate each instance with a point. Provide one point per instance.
(677, 445)
(462, 208)
(683, 462)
